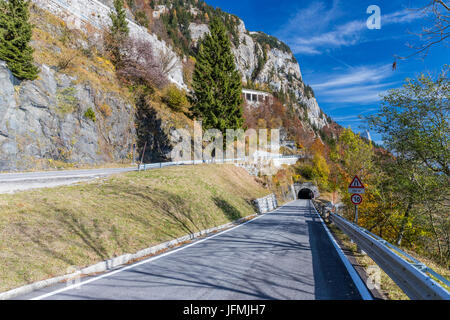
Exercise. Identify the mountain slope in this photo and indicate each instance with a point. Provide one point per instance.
(79, 112)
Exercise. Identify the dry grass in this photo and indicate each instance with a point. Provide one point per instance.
(56, 45)
(43, 232)
(388, 286)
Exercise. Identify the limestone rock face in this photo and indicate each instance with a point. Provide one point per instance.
(279, 69)
(45, 120)
(93, 14)
(198, 31)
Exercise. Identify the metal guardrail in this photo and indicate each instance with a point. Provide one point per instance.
(144, 167)
(413, 277)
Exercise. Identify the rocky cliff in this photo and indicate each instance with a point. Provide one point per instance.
(264, 60)
(78, 112)
(46, 120)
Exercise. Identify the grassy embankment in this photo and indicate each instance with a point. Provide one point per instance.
(43, 232)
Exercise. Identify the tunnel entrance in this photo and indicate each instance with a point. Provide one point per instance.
(306, 194)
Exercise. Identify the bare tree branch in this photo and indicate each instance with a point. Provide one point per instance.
(432, 35)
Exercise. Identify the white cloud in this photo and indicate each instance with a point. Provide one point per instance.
(360, 85)
(356, 75)
(311, 29)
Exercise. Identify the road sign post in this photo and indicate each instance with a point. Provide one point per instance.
(356, 188)
(356, 200)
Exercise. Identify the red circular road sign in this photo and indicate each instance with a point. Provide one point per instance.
(357, 199)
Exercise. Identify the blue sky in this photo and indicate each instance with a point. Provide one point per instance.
(347, 65)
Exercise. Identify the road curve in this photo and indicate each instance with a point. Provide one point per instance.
(285, 255)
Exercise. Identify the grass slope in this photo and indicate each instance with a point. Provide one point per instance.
(43, 232)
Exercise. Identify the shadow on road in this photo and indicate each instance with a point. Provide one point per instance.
(286, 255)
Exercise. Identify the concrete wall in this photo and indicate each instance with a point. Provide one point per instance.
(266, 204)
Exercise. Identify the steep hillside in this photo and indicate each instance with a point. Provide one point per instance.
(78, 111)
(264, 61)
(44, 232)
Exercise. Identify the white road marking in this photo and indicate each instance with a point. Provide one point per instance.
(79, 285)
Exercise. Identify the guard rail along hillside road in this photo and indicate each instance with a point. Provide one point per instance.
(417, 281)
(144, 167)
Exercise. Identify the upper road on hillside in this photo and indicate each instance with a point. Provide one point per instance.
(284, 255)
(11, 182)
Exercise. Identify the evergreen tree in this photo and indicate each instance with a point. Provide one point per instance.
(118, 32)
(217, 82)
(119, 27)
(15, 36)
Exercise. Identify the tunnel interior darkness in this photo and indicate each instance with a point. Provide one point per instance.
(306, 194)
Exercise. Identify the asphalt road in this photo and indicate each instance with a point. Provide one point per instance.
(12, 182)
(284, 255)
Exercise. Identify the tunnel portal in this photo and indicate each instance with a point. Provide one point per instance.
(306, 194)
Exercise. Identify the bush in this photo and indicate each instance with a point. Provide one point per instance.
(306, 171)
(65, 60)
(90, 114)
(139, 64)
(175, 98)
(106, 110)
(141, 19)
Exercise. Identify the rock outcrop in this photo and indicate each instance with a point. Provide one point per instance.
(262, 63)
(45, 120)
(93, 16)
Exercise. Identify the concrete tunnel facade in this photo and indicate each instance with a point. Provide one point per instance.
(306, 191)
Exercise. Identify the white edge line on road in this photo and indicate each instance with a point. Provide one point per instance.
(363, 291)
(79, 285)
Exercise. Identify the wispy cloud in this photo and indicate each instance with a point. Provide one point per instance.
(362, 85)
(314, 29)
(347, 119)
(356, 75)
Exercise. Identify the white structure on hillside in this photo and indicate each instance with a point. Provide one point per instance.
(255, 97)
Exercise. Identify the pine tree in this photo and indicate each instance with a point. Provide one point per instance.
(15, 36)
(217, 82)
(119, 27)
(118, 32)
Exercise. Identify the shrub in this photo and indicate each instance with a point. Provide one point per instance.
(106, 110)
(65, 60)
(306, 171)
(175, 98)
(139, 64)
(141, 19)
(90, 114)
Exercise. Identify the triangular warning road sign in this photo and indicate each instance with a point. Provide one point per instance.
(356, 183)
